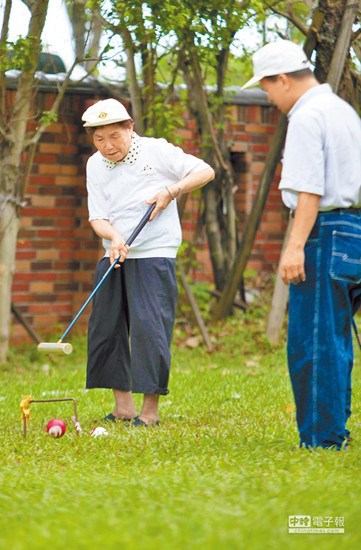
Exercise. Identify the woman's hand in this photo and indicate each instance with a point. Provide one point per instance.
(118, 249)
(162, 198)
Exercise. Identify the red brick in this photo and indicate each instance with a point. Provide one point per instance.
(41, 180)
(45, 159)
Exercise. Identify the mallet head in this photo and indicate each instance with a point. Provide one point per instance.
(57, 348)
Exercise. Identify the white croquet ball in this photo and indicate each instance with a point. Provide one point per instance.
(56, 427)
(98, 432)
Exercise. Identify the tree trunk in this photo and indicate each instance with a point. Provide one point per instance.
(134, 88)
(220, 211)
(9, 226)
(11, 189)
(214, 234)
(336, 11)
(224, 304)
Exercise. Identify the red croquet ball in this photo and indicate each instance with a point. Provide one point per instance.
(56, 427)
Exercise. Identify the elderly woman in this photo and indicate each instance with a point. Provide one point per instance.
(131, 324)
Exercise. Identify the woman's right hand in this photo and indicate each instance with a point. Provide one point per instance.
(118, 249)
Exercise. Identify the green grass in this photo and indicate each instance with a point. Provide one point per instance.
(221, 472)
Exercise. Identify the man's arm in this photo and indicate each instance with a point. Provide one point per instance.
(292, 266)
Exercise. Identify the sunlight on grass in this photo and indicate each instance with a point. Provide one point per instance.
(222, 471)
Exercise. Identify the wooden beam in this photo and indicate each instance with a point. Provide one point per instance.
(29, 329)
(195, 308)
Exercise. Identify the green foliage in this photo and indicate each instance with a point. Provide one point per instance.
(164, 34)
(187, 255)
(167, 119)
(222, 471)
(48, 117)
(17, 55)
(185, 323)
(239, 69)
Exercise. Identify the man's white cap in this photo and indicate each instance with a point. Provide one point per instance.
(106, 111)
(275, 58)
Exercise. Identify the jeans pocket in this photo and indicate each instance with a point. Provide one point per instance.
(346, 257)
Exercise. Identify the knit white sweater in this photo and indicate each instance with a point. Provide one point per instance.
(117, 193)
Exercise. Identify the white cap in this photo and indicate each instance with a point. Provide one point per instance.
(275, 58)
(106, 111)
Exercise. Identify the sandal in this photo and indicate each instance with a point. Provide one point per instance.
(111, 418)
(139, 423)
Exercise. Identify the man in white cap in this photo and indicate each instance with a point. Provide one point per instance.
(321, 185)
(131, 324)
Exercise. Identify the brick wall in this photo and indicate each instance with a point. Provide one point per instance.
(249, 131)
(57, 249)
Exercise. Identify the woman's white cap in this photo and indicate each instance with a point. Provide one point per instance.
(106, 111)
(280, 57)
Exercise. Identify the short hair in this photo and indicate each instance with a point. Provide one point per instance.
(297, 75)
(124, 124)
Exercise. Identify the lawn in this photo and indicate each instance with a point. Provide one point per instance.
(222, 471)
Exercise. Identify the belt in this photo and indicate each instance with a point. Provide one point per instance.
(345, 210)
(334, 211)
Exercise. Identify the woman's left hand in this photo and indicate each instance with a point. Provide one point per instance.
(162, 198)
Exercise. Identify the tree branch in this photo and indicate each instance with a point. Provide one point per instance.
(290, 16)
(3, 38)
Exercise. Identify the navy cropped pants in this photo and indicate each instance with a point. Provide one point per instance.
(131, 325)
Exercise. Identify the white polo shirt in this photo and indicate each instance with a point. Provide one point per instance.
(117, 192)
(322, 151)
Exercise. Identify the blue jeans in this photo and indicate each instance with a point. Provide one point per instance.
(319, 347)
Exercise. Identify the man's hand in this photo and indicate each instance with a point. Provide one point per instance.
(292, 266)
